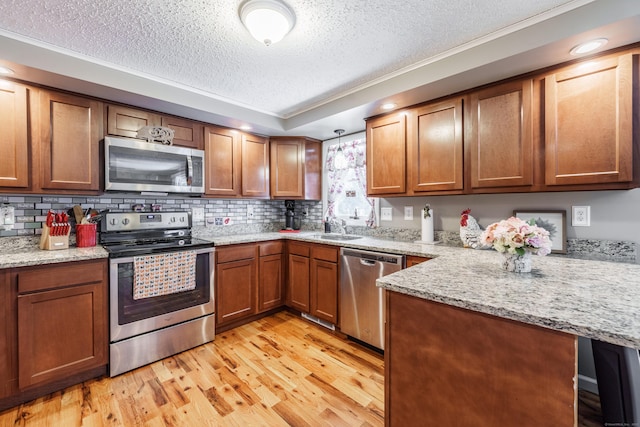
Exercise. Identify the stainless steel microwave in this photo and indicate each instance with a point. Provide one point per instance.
(137, 165)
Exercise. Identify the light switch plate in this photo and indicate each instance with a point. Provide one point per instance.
(385, 214)
(408, 213)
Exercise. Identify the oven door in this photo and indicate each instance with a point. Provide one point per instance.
(130, 317)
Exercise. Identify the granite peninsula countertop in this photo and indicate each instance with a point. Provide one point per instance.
(594, 299)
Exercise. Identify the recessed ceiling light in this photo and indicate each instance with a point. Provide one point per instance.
(388, 106)
(5, 70)
(245, 127)
(587, 47)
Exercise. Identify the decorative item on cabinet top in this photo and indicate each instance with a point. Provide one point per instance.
(160, 134)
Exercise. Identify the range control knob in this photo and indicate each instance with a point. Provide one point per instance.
(181, 219)
(126, 221)
(173, 219)
(113, 221)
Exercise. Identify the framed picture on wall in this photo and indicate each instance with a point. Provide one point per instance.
(554, 221)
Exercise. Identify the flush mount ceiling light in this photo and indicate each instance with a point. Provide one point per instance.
(587, 47)
(388, 106)
(5, 70)
(268, 21)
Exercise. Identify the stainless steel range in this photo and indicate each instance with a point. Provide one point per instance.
(161, 290)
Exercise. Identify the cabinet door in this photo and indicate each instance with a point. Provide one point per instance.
(414, 260)
(501, 137)
(312, 170)
(187, 132)
(235, 290)
(386, 155)
(14, 131)
(61, 332)
(124, 121)
(8, 335)
(270, 291)
(287, 168)
(222, 161)
(435, 135)
(298, 283)
(589, 122)
(70, 133)
(324, 290)
(255, 166)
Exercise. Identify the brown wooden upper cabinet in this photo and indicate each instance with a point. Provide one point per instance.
(387, 154)
(236, 164)
(501, 135)
(125, 121)
(222, 161)
(255, 166)
(436, 150)
(15, 167)
(589, 122)
(70, 133)
(296, 168)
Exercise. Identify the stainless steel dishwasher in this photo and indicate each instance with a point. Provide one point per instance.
(362, 303)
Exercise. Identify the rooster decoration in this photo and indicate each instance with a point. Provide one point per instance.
(470, 230)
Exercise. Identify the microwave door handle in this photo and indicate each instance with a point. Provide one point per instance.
(189, 170)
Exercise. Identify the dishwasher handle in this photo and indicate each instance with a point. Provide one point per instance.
(367, 262)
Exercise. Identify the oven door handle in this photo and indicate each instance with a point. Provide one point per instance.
(189, 170)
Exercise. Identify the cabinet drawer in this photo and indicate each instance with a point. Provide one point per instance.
(235, 253)
(299, 249)
(51, 277)
(270, 248)
(325, 253)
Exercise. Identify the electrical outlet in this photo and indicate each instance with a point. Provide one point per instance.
(249, 211)
(306, 211)
(385, 214)
(197, 214)
(581, 216)
(408, 213)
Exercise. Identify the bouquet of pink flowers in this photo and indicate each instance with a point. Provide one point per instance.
(516, 236)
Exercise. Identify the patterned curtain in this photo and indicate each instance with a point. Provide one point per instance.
(354, 158)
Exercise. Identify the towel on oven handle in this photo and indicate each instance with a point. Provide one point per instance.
(164, 274)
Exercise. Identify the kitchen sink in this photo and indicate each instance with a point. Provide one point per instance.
(339, 237)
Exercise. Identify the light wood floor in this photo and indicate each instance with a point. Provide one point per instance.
(277, 371)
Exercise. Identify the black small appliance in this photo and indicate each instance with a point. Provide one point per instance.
(290, 216)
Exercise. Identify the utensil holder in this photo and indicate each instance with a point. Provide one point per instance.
(50, 243)
(85, 235)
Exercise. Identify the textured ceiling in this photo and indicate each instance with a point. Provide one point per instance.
(335, 49)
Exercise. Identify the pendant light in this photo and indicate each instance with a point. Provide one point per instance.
(340, 160)
(268, 21)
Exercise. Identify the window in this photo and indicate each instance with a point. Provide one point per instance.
(347, 184)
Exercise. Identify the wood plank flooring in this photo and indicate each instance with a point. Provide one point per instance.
(277, 371)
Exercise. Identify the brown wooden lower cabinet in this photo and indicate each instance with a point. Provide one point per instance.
(448, 366)
(54, 322)
(413, 260)
(249, 281)
(313, 280)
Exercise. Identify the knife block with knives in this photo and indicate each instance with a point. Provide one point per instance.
(55, 232)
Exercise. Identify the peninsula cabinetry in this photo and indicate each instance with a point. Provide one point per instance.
(296, 168)
(473, 355)
(54, 328)
(312, 285)
(589, 122)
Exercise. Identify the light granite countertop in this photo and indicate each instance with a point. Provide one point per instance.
(594, 299)
(24, 251)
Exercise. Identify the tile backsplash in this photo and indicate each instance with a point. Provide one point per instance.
(268, 215)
